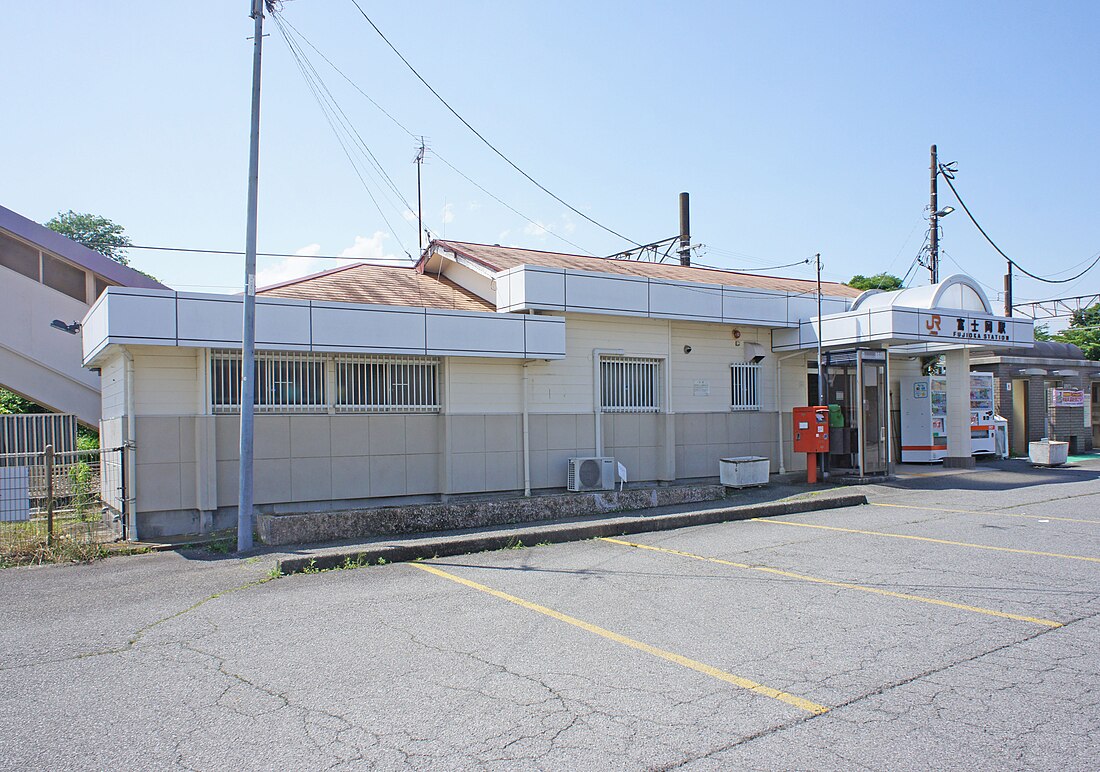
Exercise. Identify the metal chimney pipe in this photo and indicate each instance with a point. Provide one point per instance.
(685, 231)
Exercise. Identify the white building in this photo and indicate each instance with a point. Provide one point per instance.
(45, 277)
(482, 369)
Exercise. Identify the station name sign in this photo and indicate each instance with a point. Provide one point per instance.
(956, 327)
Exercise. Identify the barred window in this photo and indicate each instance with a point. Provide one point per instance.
(745, 383)
(630, 384)
(387, 384)
(285, 382)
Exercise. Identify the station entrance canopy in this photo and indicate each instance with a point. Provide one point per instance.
(952, 314)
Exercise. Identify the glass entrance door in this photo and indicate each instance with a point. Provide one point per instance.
(873, 416)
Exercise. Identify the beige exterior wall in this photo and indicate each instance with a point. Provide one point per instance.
(476, 385)
(167, 380)
(112, 382)
(187, 461)
(713, 349)
(565, 385)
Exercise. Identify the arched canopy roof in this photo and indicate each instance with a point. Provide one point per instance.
(955, 293)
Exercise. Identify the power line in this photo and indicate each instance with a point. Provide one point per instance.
(948, 177)
(260, 254)
(479, 135)
(434, 152)
(754, 270)
(329, 116)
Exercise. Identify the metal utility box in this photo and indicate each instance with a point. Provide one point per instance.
(744, 471)
(811, 429)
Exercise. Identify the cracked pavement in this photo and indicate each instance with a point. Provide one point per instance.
(186, 660)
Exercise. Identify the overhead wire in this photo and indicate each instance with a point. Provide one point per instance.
(330, 118)
(480, 136)
(947, 176)
(261, 254)
(434, 152)
(335, 105)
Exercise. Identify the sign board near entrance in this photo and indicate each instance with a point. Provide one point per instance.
(1067, 398)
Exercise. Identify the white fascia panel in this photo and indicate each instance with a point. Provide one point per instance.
(207, 319)
(283, 323)
(606, 293)
(677, 300)
(475, 334)
(791, 339)
(93, 329)
(368, 328)
(147, 316)
(748, 306)
(542, 287)
(805, 306)
(503, 283)
(544, 337)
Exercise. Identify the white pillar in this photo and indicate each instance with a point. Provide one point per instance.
(958, 410)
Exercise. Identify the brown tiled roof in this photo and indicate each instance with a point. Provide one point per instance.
(502, 258)
(382, 285)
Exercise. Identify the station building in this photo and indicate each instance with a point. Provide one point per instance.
(486, 369)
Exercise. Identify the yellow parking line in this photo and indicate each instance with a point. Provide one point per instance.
(699, 667)
(844, 585)
(979, 512)
(929, 539)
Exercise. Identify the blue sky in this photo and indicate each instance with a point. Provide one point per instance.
(797, 128)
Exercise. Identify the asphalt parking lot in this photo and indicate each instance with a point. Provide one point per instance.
(952, 623)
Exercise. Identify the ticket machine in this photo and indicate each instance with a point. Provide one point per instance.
(811, 435)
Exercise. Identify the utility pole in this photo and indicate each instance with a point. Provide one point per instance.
(248, 337)
(934, 233)
(820, 375)
(419, 204)
(1008, 289)
(820, 457)
(685, 231)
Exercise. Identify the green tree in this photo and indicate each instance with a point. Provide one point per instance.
(880, 281)
(1042, 332)
(95, 232)
(10, 402)
(1084, 331)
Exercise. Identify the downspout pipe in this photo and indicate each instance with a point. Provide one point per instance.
(526, 438)
(130, 445)
(597, 410)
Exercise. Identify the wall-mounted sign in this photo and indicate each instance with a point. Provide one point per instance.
(966, 327)
(1067, 398)
(701, 389)
(920, 390)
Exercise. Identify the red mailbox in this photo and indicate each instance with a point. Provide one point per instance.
(811, 435)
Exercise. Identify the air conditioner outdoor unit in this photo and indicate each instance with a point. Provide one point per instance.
(591, 474)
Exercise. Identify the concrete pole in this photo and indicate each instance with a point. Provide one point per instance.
(959, 454)
(934, 232)
(248, 337)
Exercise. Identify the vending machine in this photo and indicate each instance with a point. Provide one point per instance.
(983, 428)
(924, 417)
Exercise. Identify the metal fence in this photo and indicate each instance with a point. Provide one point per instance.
(32, 432)
(60, 506)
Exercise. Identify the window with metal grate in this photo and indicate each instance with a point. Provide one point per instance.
(745, 386)
(394, 384)
(630, 384)
(286, 382)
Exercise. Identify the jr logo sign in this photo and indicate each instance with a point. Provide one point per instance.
(932, 324)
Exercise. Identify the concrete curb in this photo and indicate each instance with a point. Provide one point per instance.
(556, 533)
